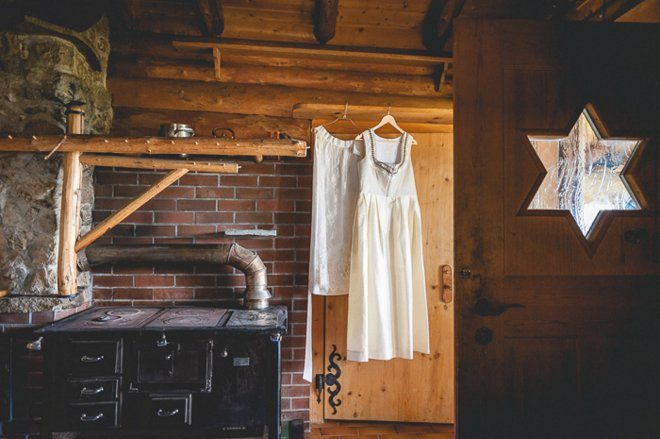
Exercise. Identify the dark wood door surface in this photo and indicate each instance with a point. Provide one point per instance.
(558, 334)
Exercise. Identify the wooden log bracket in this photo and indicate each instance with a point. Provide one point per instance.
(74, 144)
(67, 260)
(325, 19)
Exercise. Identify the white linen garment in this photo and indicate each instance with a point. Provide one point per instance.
(387, 311)
(334, 197)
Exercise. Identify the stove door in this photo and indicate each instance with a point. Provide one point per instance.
(170, 363)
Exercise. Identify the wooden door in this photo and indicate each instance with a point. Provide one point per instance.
(557, 335)
(422, 389)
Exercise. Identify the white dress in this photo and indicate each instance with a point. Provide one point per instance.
(334, 197)
(387, 312)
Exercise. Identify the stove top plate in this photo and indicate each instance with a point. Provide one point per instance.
(111, 318)
(188, 317)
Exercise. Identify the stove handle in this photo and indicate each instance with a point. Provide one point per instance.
(88, 359)
(166, 413)
(85, 391)
(85, 418)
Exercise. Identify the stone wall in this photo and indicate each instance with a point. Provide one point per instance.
(39, 73)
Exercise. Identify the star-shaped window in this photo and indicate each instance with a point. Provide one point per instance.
(584, 173)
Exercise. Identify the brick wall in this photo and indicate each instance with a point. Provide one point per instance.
(197, 209)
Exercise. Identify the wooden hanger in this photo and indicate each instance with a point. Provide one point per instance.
(343, 117)
(388, 119)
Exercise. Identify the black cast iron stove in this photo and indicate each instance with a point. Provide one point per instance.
(159, 372)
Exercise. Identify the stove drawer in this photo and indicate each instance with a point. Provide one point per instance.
(91, 416)
(175, 366)
(169, 411)
(95, 357)
(92, 390)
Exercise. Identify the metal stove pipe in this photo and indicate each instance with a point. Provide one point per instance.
(256, 294)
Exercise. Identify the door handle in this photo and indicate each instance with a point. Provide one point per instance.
(485, 308)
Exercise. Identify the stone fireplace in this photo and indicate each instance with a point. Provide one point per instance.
(42, 68)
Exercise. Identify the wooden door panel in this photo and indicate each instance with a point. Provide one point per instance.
(541, 100)
(574, 357)
(422, 389)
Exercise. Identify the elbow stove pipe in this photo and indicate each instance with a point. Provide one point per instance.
(256, 294)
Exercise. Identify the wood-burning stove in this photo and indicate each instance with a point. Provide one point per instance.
(187, 372)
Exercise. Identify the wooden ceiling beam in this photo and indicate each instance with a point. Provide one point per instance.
(325, 20)
(345, 54)
(360, 82)
(437, 27)
(212, 17)
(268, 100)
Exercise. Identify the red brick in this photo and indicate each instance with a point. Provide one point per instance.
(300, 403)
(276, 205)
(238, 180)
(113, 177)
(293, 169)
(159, 204)
(173, 293)
(214, 217)
(148, 178)
(236, 205)
(102, 190)
(133, 293)
(154, 281)
(303, 206)
(195, 230)
(198, 205)
(299, 193)
(214, 293)
(113, 281)
(254, 218)
(195, 281)
(150, 230)
(214, 192)
(293, 391)
(271, 181)
(254, 193)
(292, 243)
(199, 180)
(256, 168)
(293, 218)
(174, 217)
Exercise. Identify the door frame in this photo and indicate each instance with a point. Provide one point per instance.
(316, 409)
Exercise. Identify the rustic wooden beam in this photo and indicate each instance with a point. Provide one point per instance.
(270, 100)
(127, 210)
(358, 82)
(67, 260)
(370, 113)
(158, 164)
(345, 54)
(437, 27)
(212, 17)
(325, 20)
(155, 145)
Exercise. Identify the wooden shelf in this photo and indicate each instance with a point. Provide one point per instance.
(155, 145)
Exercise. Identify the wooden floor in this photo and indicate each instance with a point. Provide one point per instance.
(380, 430)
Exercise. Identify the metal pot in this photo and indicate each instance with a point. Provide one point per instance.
(176, 130)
